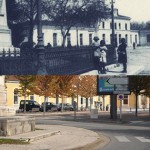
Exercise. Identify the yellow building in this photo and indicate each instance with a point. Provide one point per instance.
(13, 99)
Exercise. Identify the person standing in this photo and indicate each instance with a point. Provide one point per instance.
(103, 59)
(122, 54)
(97, 53)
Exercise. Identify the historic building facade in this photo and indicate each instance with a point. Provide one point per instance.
(13, 99)
(84, 35)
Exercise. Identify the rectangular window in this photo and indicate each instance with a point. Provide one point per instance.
(15, 99)
(104, 36)
(126, 37)
(115, 25)
(136, 39)
(81, 100)
(31, 97)
(119, 38)
(125, 101)
(110, 25)
(148, 37)
(90, 39)
(126, 26)
(103, 25)
(54, 39)
(81, 39)
(131, 39)
(120, 26)
(15, 96)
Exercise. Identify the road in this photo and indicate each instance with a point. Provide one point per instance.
(131, 136)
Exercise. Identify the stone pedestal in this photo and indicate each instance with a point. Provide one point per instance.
(9, 123)
(16, 125)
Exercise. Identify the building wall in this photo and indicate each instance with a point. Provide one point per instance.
(104, 100)
(144, 40)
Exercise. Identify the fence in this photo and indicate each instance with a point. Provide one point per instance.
(58, 61)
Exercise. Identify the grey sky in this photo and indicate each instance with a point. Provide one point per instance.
(138, 10)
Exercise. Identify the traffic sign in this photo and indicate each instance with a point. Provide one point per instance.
(121, 96)
(120, 80)
(103, 87)
(121, 92)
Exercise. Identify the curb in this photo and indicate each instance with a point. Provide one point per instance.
(35, 138)
(99, 143)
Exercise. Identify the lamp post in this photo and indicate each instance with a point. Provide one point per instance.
(40, 45)
(113, 29)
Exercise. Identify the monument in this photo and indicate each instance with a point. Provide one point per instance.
(5, 32)
(10, 124)
(4, 110)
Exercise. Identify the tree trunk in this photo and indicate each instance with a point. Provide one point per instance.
(136, 104)
(77, 102)
(25, 102)
(44, 110)
(62, 106)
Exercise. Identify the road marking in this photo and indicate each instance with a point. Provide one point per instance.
(122, 139)
(142, 139)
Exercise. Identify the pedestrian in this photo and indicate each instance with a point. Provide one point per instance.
(101, 106)
(48, 46)
(103, 59)
(122, 54)
(97, 53)
(69, 44)
(133, 45)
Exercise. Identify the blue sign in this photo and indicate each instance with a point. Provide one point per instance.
(103, 87)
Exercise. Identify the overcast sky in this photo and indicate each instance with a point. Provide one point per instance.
(138, 10)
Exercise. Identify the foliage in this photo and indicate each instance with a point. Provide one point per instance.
(140, 26)
(44, 85)
(26, 82)
(66, 14)
(88, 86)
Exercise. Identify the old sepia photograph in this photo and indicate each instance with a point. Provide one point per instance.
(89, 37)
(74, 75)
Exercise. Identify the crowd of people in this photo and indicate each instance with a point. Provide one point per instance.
(100, 55)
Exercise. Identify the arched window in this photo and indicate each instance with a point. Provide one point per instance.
(15, 96)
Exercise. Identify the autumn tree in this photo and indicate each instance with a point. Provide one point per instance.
(64, 87)
(66, 14)
(26, 82)
(88, 87)
(137, 84)
(44, 85)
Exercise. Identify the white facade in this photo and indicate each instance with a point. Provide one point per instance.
(52, 34)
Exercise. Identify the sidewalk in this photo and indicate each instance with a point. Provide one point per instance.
(116, 70)
(56, 137)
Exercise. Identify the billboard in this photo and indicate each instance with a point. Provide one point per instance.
(103, 87)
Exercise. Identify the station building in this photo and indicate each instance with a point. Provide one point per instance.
(13, 99)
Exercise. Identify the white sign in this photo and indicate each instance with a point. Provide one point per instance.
(121, 80)
(121, 96)
(121, 87)
(121, 92)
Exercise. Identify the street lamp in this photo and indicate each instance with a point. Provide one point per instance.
(113, 27)
(40, 45)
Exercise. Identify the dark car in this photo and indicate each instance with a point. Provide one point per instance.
(31, 105)
(49, 106)
(66, 106)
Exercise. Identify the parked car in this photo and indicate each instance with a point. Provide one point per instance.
(31, 105)
(66, 106)
(49, 106)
